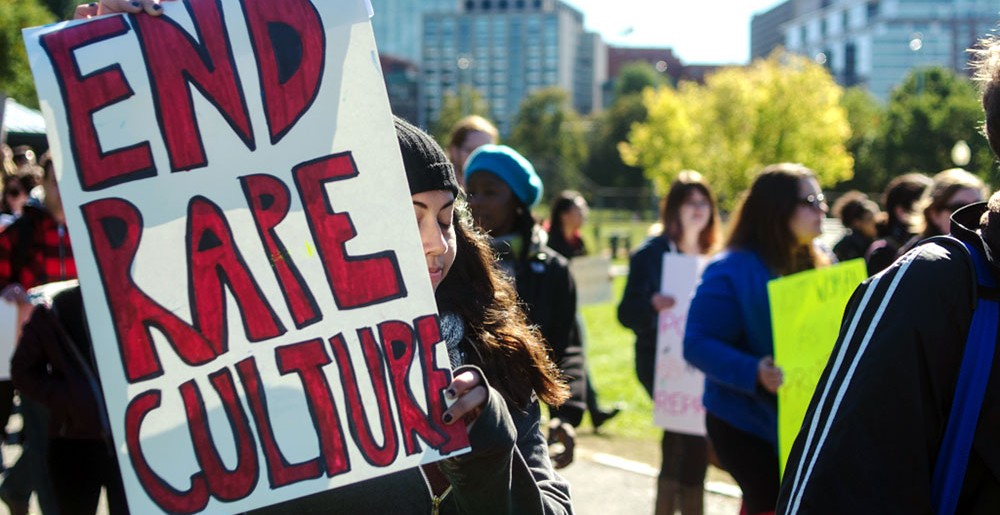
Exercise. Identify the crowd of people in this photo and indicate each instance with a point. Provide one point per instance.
(872, 439)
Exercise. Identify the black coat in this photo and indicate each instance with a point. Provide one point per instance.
(645, 271)
(53, 364)
(547, 289)
(870, 439)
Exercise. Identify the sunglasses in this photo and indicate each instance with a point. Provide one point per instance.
(957, 205)
(814, 201)
(13, 192)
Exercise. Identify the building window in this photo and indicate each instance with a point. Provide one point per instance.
(872, 9)
(850, 65)
(470, 5)
(487, 5)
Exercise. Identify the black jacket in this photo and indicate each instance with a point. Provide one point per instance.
(547, 289)
(645, 270)
(870, 439)
(508, 472)
(53, 364)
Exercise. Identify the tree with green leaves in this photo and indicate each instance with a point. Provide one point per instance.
(550, 134)
(785, 108)
(636, 76)
(15, 73)
(611, 127)
(931, 111)
(867, 119)
(455, 106)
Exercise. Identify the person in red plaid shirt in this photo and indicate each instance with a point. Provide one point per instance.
(34, 250)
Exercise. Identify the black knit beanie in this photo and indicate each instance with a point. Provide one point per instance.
(427, 166)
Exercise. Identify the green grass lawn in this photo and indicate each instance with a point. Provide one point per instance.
(610, 357)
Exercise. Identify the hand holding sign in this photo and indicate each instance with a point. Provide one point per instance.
(151, 7)
(768, 375)
(661, 302)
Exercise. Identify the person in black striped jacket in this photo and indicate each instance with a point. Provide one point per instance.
(871, 437)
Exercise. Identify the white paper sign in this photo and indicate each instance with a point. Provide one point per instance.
(592, 275)
(678, 386)
(260, 306)
(8, 336)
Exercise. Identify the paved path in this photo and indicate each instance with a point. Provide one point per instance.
(603, 484)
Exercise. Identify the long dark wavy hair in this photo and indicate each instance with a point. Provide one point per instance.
(761, 223)
(688, 181)
(511, 351)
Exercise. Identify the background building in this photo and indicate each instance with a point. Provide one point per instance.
(397, 25)
(765, 29)
(507, 49)
(875, 43)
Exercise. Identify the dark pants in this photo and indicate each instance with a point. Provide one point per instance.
(30, 473)
(6, 405)
(685, 458)
(79, 468)
(752, 461)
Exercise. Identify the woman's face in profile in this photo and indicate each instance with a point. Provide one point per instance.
(435, 212)
(806, 222)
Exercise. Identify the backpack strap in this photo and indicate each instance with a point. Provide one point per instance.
(974, 374)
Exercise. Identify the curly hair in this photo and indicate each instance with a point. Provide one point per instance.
(510, 349)
(985, 65)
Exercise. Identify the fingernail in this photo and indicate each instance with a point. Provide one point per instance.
(157, 7)
(450, 393)
(447, 418)
(92, 4)
(135, 4)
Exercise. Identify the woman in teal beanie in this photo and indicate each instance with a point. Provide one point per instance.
(503, 187)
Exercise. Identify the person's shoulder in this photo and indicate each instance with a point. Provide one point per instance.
(939, 268)
(653, 245)
(735, 259)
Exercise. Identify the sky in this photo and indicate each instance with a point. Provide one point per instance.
(699, 31)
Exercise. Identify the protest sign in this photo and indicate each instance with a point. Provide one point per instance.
(677, 386)
(592, 275)
(806, 310)
(9, 329)
(260, 306)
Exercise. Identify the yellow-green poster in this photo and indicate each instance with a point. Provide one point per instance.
(806, 309)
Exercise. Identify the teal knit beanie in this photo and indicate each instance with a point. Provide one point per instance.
(511, 167)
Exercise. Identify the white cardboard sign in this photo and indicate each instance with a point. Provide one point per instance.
(678, 386)
(260, 306)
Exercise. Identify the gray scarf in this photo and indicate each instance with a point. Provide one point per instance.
(452, 331)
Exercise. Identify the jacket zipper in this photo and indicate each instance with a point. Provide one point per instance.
(436, 500)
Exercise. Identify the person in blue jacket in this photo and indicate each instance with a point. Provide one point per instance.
(728, 334)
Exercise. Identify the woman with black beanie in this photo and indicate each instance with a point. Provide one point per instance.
(501, 369)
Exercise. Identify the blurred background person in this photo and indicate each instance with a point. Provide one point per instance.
(24, 155)
(900, 199)
(16, 188)
(950, 191)
(728, 334)
(503, 187)
(860, 216)
(34, 250)
(690, 222)
(7, 156)
(566, 218)
(467, 135)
